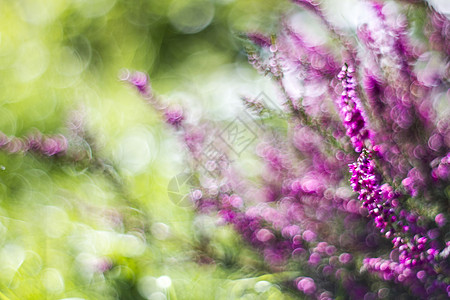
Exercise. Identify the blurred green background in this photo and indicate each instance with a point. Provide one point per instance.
(105, 228)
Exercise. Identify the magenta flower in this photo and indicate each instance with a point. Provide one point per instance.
(297, 209)
(351, 110)
(174, 116)
(36, 142)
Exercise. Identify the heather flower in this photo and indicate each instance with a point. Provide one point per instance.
(306, 285)
(414, 182)
(36, 142)
(375, 88)
(140, 81)
(174, 116)
(351, 110)
(314, 259)
(438, 32)
(441, 168)
(416, 253)
(54, 145)
(15, 145)
(259, 39)
(440, 220)
(298, 212)
(345, 258)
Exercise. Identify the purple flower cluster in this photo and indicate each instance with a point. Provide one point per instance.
(439, 32)
(36, 142)
(441, 168)
(416, 254)
(140, 80)
(300, 213)
(379, 200)
(174, 116)
(351, 110)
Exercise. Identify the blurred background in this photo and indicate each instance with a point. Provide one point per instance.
(101, 225)
(108, 230)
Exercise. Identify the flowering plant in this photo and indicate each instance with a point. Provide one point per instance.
(353, 201)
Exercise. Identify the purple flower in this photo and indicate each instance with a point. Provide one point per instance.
(140, 81)
(306, 285)
(259, 39)
(351, 110)
(298, 212)
(174, 116)
(440, 220)
(54, 145)
(36, 142)
(314, 259)
(345, 258)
